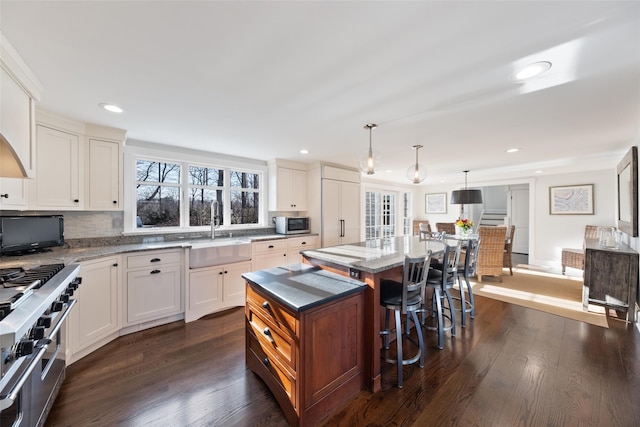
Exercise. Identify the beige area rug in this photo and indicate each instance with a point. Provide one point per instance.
(552, 293)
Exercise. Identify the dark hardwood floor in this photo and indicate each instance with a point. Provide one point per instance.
(512, 366)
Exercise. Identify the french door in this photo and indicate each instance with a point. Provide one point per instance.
(380, 215)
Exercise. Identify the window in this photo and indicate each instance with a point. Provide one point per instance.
(160, 184)
(157, 193)
(407, 210)
(380, 215)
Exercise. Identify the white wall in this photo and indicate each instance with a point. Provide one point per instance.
(548, 234)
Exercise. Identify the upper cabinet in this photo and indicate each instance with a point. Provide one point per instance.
(79, 165)
(19, 90)
(287, 186)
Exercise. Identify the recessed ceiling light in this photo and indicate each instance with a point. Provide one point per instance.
(112, 108)
(304, 151)
(538, 172)
(532, 70)
(513, 150)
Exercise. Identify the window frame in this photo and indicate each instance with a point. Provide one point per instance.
(133, 153)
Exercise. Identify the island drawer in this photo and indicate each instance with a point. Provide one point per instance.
(270, 246)
(272, 311)
(270, 370)
(271, 337)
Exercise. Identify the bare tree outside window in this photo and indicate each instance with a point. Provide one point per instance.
(157, 201)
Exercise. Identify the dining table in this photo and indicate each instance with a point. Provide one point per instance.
(370, 262)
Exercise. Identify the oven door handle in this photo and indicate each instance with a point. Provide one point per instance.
(56, 328)
(7, 400)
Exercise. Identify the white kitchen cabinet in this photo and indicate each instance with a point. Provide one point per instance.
(14, 193)
(58, 184)
(297, 244)
(104, 175)
(287, 186)
(269, 254)
(216, 288)
(340, 212)
(95, 320)
(153, 286)
(19, 91)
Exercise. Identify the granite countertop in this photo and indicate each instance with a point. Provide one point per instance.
(375, 256)
(301, 286)
(73, 255)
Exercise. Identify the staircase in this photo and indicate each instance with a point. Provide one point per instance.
(492, 217)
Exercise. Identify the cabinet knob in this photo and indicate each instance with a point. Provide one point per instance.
(265, 305)
(266, 362)
(115, 202)
(115, 264)
(270, 246)
(155, 259)
(267, 333)
(221, 273)
(155, 271)
(5, 195)
(76, 200)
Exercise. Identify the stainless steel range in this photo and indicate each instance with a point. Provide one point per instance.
(34, 304)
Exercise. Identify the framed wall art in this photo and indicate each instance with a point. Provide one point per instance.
(435, 203)
(571, 200)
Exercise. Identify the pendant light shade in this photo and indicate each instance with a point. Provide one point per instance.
(466, 196)
(371, 162)
(417, 173)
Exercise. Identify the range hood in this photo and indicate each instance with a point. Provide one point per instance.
(10, 164)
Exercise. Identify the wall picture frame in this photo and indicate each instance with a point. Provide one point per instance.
(571, 200)
(435, 203)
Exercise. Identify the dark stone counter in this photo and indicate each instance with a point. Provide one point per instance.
(301, 286)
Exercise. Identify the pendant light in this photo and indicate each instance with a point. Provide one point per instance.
(371, 163)
(466, 196)
(417, 173)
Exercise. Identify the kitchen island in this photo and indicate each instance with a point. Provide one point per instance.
(305, 338)
(370, 262)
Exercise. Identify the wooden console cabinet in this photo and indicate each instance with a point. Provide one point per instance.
(312, 360)
(610, 277)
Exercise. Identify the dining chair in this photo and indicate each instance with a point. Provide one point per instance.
(440, 281)
(491, 251)
(405, 299)
(466, 270)
(507, 261)
(446, 227)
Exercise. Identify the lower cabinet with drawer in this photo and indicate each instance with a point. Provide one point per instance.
(297, 244)
(153, 285)
(309, 360)
(269, 254)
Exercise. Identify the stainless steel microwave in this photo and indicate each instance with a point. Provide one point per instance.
(292, 224)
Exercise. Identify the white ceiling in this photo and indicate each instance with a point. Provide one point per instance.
(265, 79)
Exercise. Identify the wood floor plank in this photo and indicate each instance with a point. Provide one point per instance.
(510, 366)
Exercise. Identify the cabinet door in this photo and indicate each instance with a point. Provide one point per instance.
(350, 211)
(96, 314)
(284, 194)
(204, 292)
(58, 181)
(14, 193)
(331, 216)
(234, 286)
(103, 192)
(299, 190)
(153, 293)
(16, 120)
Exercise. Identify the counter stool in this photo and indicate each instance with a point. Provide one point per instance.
(465, 271)
(405, 298)
(441, 281)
